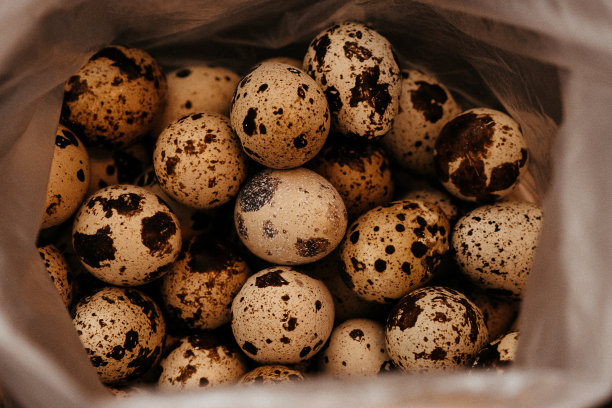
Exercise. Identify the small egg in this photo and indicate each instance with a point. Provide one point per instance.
(115, 97)
(58, 270)
(499, 354)
(282, 316)
(280, 115)
(271, 374)
(290, 217)
(198, 161)
(68, 178)
(480, 154)
(434, 328)
(393, 249)
(495, 245)
(200, 285)
(122, 331)
(437, 197)
(424, 108)
(356, 348)
(200, 361)
(125, 235)
(358, 71)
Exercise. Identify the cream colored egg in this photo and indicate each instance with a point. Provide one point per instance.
(125, 235)
(58, 271)
(434, 196)
(290, 217)
(282, 316)
(499, 354)
(271, 374)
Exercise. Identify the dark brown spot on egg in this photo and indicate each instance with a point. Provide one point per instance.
(96, 248)
(320, 47)
(257, 192)
(300, 141)
(345, 276)
(272, 278)
(131, 340)
(156, 231)
(250, 348)
(75, 88)
(380, 265)
(304, 352)
(248, 124)
(470, 317)
(185, 373)
(354, 50)
(128, 204)
(311, 247)
(406, 268)
(418, 249)
(117, 353)
(428, 99)
(333, 99)
(203, 382)
(81, 175)
(291, 324)
(242, 229)
(368, 90)
(269, 230)
(318, 305)
(354, 237)
(262, 88)
(183, 73)
(406, 312)
(148, 307)
(66, 138)
(356, 334)
(171, 163)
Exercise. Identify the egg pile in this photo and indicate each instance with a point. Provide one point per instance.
(207, 228)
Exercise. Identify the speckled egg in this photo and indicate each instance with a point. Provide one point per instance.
(199, 287)
(424, 108)
(434, 196)
(58, 270)
(393, 249)
(198, 161)
(360, 172)
(125, 235)
(199, 88)
(282, 316)
(122, 331)
(499, 354)
(480, 154)
(68, 178)
(290, 217)
(200, 361)
(358, 70)
(271, 374)
(115, 97)
(356, 348)
(495, 245)
(434, 328)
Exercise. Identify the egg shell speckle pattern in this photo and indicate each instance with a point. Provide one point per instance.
(271, 374)
(424, 108)
(122, 331)
(393, 249)
(434, 328)
(115, 97)
(200, 361)
(480, 154)
(280, 115)
(358, 71)
(356, 348)
(290, 217)
(499, 354)
(495, 245)
(198, 161)
(282, 316)
(68, 178)
(125, 235)
(58, 271)
(440, 198)
(200, 285)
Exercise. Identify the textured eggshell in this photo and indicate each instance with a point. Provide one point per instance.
(200, 285)
(424, 108)
(271, 374)
(115, 97)
(356, 348)
(280, 115)
(290, 217)
(125, 235)
(434, 196)
(199, 88)
(358, 71)
(393, 249)
(282, 316)
(495, 245)
(198, 161)
(200, 362)
(434, 328)
(58, 271)
(360, 173)
(499, 354)
(68, 178)
(480, 155)
(122, 331)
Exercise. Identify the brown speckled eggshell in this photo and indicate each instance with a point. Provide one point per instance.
(115, 97)
(440, 198)
(393, 249)
(282, 316)
(125, 235)
(434, 328)
(280, 115)
(290, 217)
(199, 287)
(198, 161)
(58, 271)
(68, 178)
(271, 374)
(122, 331)
(480, 154)
(498, 354)
(357, 69)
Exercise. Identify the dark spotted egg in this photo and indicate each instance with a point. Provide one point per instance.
(434, 328)
(122, 331)
(58, 271)
(499, 354)
(357, 69)
(271, 374)
(125, 235)
(280, 115)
